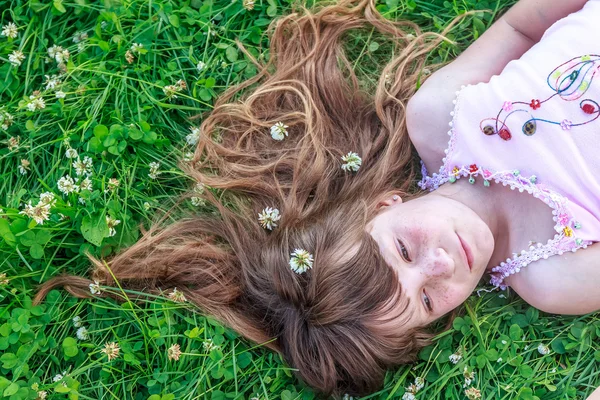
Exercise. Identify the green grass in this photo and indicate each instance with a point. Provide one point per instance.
(117, 114)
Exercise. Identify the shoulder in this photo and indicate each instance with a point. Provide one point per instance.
(562, 284)
(428, 113)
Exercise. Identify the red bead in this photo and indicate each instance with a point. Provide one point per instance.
(535, 104)
(473, 168)
(588, 109)
(504, 134)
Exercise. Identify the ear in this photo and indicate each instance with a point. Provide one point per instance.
(389, 201)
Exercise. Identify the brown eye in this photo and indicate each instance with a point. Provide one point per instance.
(427, 301)
(404, 251)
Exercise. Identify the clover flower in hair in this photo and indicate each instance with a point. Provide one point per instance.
(352, 162)
(95, 288)
(268, 218)
(301, 261)
(279, 131)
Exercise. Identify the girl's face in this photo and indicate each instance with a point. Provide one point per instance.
(423, 240)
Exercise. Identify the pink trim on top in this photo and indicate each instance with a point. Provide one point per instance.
(565, 238)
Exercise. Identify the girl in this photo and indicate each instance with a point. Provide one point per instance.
(322, 248)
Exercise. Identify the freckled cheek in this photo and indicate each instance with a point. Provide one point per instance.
(448, 298)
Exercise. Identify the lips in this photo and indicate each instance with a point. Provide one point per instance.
(467, 252)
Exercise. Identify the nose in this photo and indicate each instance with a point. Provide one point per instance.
(440, 264)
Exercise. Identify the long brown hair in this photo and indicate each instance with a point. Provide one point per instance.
(341, 322)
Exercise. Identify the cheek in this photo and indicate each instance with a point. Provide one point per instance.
(450, 297)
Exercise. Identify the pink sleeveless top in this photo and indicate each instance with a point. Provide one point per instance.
(536, 127)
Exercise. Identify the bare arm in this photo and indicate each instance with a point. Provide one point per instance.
(562, 284)
(595, 395)
(507, 39)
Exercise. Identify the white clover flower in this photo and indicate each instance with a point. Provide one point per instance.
(171, 91)
(10, 30)
(469, 376)
(177, 296)
(352, 162)
(154, 172)
(113, 184)
(48, 198)
(209, 345)
(81, 200)
(62, 56)
(279, 131)
(77, 321)
(57, 377)
(16, 58)
(39, 212)
(301, 261)
(6, 119)
(408, 396)
(197, 201)
(147, 205)
(82, 333)
(201, 65)
(543, 349)
(13, 143)
(66, 184)
(268, 218)
(59, 54)
(188, 156)
(419, 383)
(53, 50)
(192, 138)
(174, 352)
(42, 394)
(85, 184)
(112, 222)
(455, 358)
(71, 153)
(499, 360)
(136, 47)
(410, 36)
(181, 83)
(95, 288)
(473, 393)
(60, 94)
(35, 103)
(248, 4)
(52, 82)
(80, 37)
(111, 350)
(129, 57)
(83, 166)
(24, 167)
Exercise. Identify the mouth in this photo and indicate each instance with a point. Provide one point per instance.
(467, 253)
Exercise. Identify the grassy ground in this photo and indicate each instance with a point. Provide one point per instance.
(118, 110)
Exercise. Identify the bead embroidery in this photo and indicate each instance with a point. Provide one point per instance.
(569, 81)
(564, 239)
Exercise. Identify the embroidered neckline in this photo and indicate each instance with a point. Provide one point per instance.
(565, 225)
